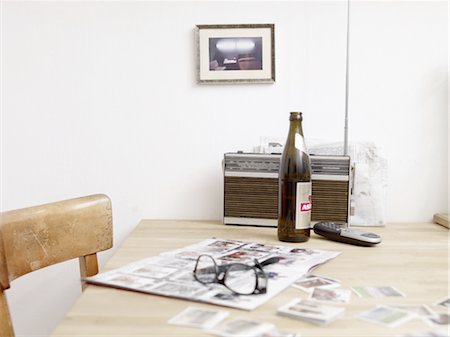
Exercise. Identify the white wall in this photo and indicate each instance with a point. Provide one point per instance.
(101, 97)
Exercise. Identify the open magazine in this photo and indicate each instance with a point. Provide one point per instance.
(171, 273)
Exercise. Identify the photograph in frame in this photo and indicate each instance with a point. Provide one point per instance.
(243, 53)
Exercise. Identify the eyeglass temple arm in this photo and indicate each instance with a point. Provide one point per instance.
(224, 267)
(271, 260)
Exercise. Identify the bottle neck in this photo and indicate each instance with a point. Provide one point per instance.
(295, 137)
(295, 127)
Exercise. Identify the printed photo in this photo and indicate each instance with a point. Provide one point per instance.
(198, 317)
(243, 256)
(153, 271)
(311, 311)
(375, 291)
(235, 53)
(277, 333)
(243, 53)
(303, 251)
(440, 319)
(183, 276)
(386, 316)
(262, 247)
(175, 263)
(179, 289)
(227, 296)
(444, 303)
(310, 276)
(419, 310)
(286, 260)
(310, 283)
(240, 327)
(130, 281)
(305, 310)
(223, 245)
(189, 255)
(428, 334)
(331, 295)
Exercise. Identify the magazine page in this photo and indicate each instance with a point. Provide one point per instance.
(171, 273)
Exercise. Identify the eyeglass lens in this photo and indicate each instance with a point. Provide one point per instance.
(241, 279)
(206, 269)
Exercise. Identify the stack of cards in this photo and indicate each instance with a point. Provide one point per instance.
(311, 311)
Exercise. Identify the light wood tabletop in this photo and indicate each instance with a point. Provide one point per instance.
(413, 258)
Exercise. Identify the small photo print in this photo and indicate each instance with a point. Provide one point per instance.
(376, 291)
(198, 317)
(153, 271)
(386, 316)
(243, 256)
(170, 262)
(418, 310)
(235, 53)
(444, 303)
(262, 247)
(179, 289)
(189, 255)
(332, 280)
(440, 319)
(130, 281)
(429, 334)
(331, 295)
(277, 333)
(308, 284)
(223, 245)
(302, 251)
(183, 276)
(311, 311)
(225, 297)
(240, 327)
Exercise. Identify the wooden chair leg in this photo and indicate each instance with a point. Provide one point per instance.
(6, 329)
(88, 267)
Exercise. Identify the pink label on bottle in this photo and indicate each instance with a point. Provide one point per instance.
(304, 205)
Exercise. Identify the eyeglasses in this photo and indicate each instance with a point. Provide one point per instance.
(240, 278)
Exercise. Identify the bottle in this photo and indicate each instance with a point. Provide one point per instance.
(294, 186)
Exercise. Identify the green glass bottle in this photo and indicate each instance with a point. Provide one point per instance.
(294, 186)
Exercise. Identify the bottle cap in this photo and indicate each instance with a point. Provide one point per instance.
(295, 115)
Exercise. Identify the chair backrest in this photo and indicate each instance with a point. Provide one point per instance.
(37, 237)
(249, 63)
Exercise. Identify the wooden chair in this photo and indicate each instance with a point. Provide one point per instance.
(37, 237)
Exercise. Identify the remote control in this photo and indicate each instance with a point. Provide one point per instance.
(336, 232)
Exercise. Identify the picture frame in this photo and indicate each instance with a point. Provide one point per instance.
(235, 53)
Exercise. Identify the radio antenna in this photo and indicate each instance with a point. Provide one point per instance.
(346, 81)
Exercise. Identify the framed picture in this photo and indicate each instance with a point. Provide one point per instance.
(236, 53)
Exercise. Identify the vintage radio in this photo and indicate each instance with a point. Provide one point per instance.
(251, 188)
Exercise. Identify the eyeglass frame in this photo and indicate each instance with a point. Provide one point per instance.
(220, 272)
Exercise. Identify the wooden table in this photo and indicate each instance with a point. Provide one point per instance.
(414, 258)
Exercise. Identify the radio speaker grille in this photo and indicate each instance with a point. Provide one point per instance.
(251, 197)
(329, 200)
(247, 197)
